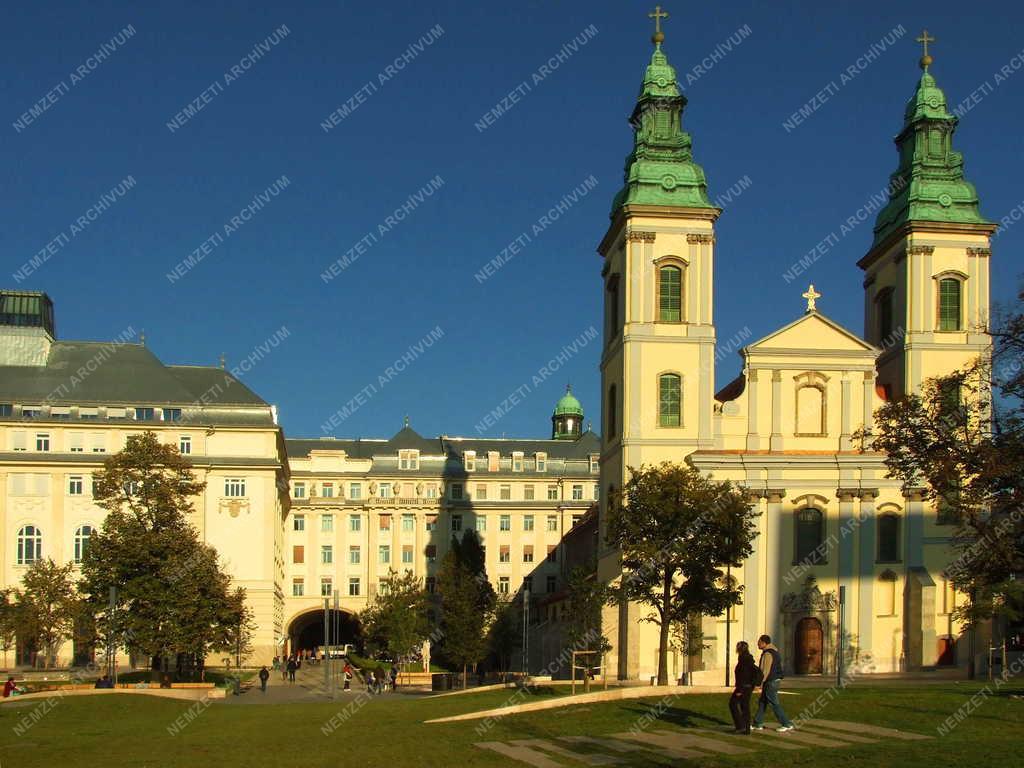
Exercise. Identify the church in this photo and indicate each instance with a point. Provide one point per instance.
(844, 557)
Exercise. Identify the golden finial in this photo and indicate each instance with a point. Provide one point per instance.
(658, 37)
(926, 59)
(812, 296)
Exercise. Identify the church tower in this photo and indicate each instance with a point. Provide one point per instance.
(657, 366)
(926, 287)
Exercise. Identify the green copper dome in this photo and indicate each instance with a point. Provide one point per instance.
(660, 169)
(929, 185)
(568, 405)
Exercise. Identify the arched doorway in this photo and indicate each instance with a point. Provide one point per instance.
(809, 643)
(306, 631)
(946, 652)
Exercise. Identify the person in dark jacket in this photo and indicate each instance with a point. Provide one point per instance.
(771, 668)
(264, 676)
(292, 666)
(746, 680)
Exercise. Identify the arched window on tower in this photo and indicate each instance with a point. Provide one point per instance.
(888, 538)
(30, 545)
(612, 312)
(883, 309)
(670, 294)
(810, 535)
(669, 400)
(950, 301)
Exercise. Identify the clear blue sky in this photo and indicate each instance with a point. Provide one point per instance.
(419, 124)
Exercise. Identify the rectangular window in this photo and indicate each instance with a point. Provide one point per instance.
(19, 441)
(75, 485)
(385, 490)
(384, 554)
(384, 523)
(503, 583)
(355, 523)
(577, 493)
(60, 412)
(184, 445)
(669, 400)
(528, 553)
(542, 462)
(456, 523)
(469, 461)
(409, 459)
(517, 462)
(76, 442)
(172, 414)
(597, 492)
(595, 463)
(528, 492)
(949, 304)
(42, 441)
(431, 585)
(31, 412)
(327, 554)
(407, 554)
(298, 587)
(353, 586)
(492, 461)
(481, 493)
(327, 523)
(234, 487)
(355, 490)
(550, 584)
(88, 414)
(670, 294)
(527, 522)
(553, 523)
(504, 554)
(145, 414)
(98, 442)
(431, 552)
(299, 523)
(431, 491)
(354, 555)
(552, 553)
(408, 523)
(456, 491)
(505, 523)
(327, 490)
(326, 586)
(505, 492)
(552, 493)
(298, 554)
(481, 523)
(431, 523)
(6, 410)
(300, 491)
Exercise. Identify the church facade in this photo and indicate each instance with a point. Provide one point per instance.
(839, 544)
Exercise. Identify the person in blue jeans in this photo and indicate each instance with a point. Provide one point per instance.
(771, 668)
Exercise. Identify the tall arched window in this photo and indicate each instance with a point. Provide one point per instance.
(613, 308)
(669, 400)
(810, 534)
(888, 539)
(670, 294)
(883, 306)
(950, 291)
(612, 426)
(82, 536)
(30, 545)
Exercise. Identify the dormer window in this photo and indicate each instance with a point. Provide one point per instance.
(595, 462)
(517, 462)
(492, 461)
(409, 459)
(469, 461)
(542, 462)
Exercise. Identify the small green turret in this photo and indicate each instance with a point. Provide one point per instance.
(567, 419)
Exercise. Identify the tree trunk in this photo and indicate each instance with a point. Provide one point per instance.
(666, 598)
(463, 677)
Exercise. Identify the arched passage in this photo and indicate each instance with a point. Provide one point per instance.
(306, 630)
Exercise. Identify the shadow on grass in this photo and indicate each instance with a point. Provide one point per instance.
(686, 718)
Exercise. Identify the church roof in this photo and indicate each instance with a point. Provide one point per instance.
(797, 336)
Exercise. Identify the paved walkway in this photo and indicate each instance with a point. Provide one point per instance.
(308, 688)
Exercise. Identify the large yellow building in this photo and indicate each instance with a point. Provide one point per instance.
(784, 429)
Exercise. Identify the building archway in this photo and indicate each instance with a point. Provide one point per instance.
(306, 630)
(809, 647)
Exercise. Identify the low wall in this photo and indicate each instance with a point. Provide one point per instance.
(184, 694)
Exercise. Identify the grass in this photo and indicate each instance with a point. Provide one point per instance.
(389, 731)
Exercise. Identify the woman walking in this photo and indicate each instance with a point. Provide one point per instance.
(746, 676)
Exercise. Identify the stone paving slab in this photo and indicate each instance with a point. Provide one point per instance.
(590, 758)
(877, 730)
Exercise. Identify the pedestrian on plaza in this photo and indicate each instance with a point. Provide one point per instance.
(10, 686)
(747, 676)
(394, 677)
(371, 682)
(347, 673)
(292, 666)
(277, 663)
(264, 676)
(284, 669)
(771, 668)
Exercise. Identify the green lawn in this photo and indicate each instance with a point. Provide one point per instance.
(388, 731)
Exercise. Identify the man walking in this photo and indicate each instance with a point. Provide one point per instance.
(292, 666)
(264, 676)
(771, 668)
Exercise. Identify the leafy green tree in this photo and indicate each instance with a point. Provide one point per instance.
(47, 606)
(172, 596)
(587, 597)
(8, 621)
(396, 623)
(467, 602)
(503, 636)
(677, 530)
(964, 450)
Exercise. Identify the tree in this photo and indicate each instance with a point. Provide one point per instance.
(8, 621)
(172, 596)
(676, 530)
(240, 626)
(587, 597)
(467, 603)
(47, 606)
(964, 451)
(396, 622)
(503, 636)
